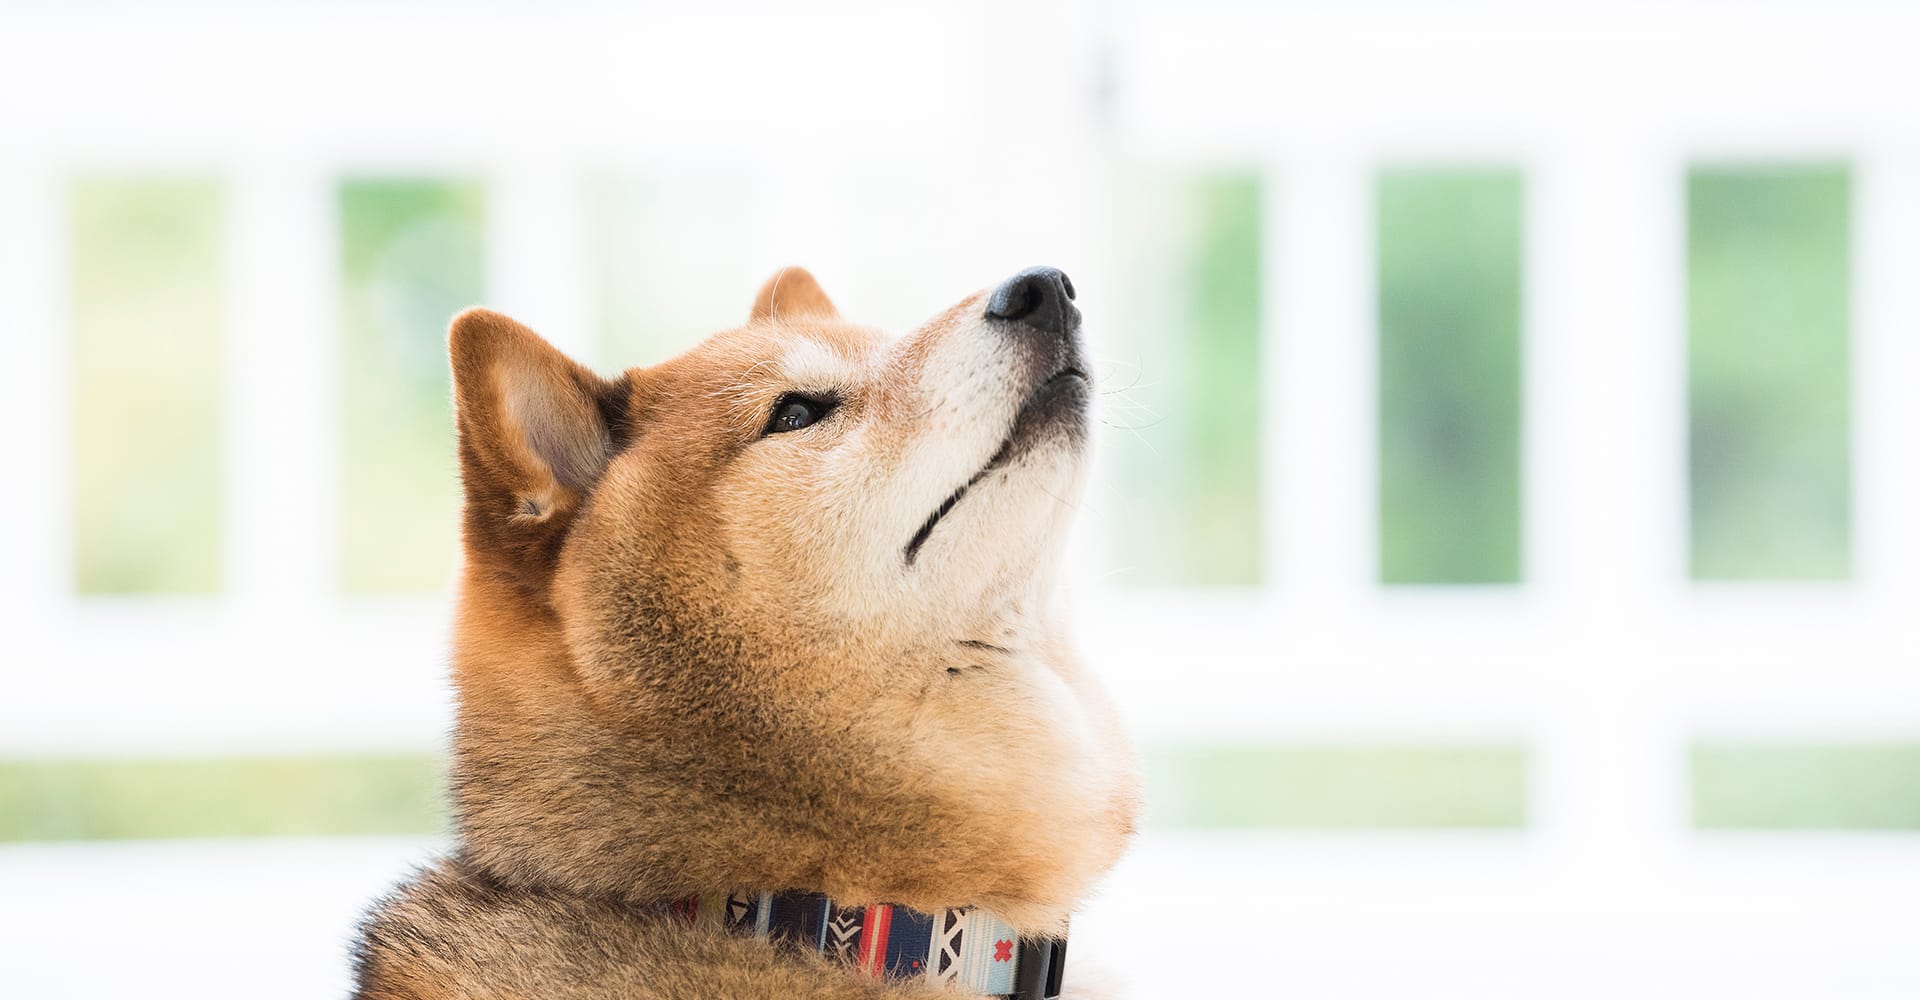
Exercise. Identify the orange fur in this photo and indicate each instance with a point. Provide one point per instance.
(691, 658)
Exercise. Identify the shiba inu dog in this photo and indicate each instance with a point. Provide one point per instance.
(762, 687)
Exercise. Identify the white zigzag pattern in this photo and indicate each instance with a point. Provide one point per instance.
(843, 931)
(948, 943)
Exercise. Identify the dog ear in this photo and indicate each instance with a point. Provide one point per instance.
(536, 429)
(792, 293)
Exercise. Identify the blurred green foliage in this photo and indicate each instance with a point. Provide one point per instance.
(1189, 785)
(1185, 378)
(1806, 786)
(1449, 314)
(281, 796)
(411, 257)
(1314, 787)
(147, 257)
(1768, 269)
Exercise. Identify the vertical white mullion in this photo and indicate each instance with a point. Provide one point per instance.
(280, 418)
(1886, 370)
(538, 261)
(1606, 529)
(36, 558)
(807, 205)
(1321, 442)
(36, 385)
(1557, 540)
(1606, 415)
(1653, 757)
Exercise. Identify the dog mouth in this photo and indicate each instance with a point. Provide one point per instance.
(1035, 413)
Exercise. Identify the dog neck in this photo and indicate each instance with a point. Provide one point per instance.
(965, 947)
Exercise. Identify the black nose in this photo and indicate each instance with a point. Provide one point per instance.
(1041, 297)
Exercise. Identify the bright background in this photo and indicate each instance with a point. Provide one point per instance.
(1502, 542)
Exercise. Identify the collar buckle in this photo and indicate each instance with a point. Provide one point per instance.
(1043, 964)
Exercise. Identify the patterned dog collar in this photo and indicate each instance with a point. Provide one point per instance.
(968, 947)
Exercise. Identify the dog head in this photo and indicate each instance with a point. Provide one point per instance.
(777, 613)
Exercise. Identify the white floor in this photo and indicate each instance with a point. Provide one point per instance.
(1364, 916)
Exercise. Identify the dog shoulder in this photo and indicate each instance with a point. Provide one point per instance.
(410, 941)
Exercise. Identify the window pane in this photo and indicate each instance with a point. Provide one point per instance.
(1806, 787)
(147, 318)
(411, 258)
(1183, 382)
(1337, 786)
(1767, 316)
(237, 797)
(1450, 275)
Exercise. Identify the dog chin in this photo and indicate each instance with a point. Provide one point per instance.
(1056, 414)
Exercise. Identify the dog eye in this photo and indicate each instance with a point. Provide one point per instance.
(795, 411)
